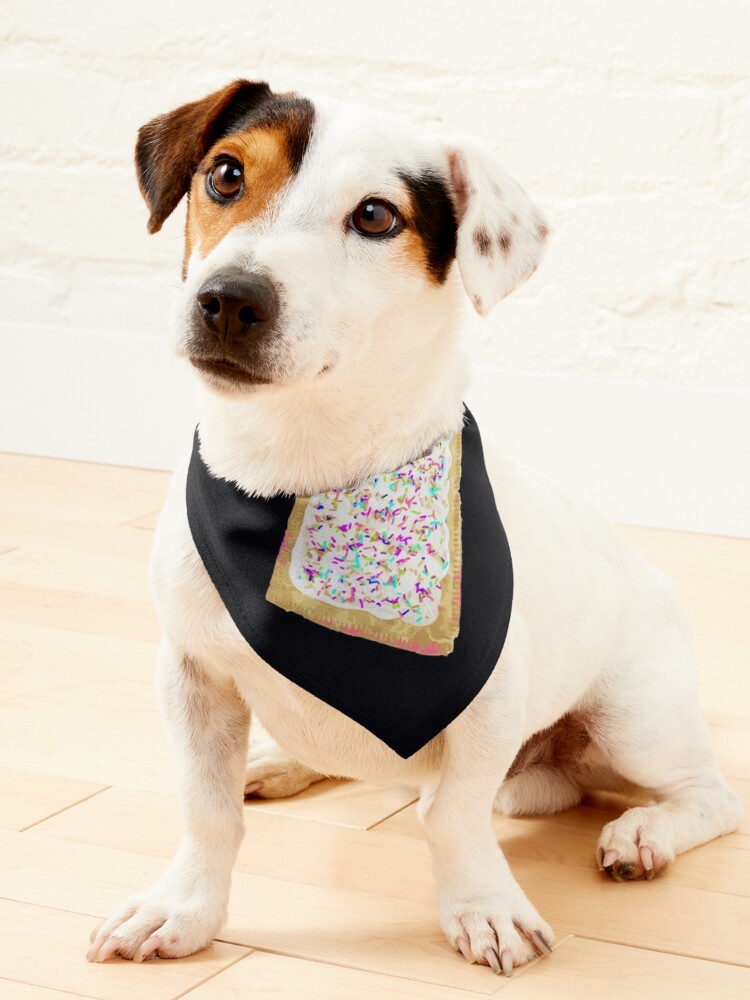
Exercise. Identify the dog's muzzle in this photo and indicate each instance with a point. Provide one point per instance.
(236, 309)
(235, 312)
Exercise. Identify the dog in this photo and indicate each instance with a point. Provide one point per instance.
(326, 246)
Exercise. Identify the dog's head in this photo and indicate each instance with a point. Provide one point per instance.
(312, 226)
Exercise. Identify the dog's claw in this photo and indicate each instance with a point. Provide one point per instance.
(506, 963)
(647, 860)
(609, 858)
(600, 858)
(107, 950)
(149, 949)
(94, 949)
(95, 933)
(541, 943)
(463, 947)
(493, 961)
(253, 786)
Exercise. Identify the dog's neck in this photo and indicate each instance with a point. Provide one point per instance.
(334, 431)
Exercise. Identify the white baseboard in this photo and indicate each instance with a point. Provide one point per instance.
(650, 454)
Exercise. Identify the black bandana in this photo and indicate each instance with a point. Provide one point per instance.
(390, 600)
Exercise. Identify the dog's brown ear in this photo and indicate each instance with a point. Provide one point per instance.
(170, 147)
(501, 234)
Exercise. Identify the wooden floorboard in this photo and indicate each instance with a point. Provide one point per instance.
(581, 969)
(42, 948)
(333, 894)
(28, 799)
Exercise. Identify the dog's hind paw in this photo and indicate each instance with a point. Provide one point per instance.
(637, 845)
(272, 774)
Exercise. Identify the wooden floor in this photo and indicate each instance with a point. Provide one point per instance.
(332, 895)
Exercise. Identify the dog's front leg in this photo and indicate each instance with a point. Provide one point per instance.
(183, 910)
(484, 912)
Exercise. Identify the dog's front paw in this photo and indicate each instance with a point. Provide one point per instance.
(156, 924)
(272, 774)
(497, 931)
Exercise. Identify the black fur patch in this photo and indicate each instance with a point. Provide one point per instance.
(292, 114)
(434, 219)
(247, 101)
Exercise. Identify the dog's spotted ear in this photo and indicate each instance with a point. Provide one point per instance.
(170, 147)
(501, 234)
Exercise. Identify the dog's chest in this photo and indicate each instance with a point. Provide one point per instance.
(197, 621)
(372, 597)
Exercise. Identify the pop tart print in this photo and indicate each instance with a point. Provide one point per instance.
(381, 560)
(383, 547)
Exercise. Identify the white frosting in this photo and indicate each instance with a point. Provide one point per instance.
(382, 546)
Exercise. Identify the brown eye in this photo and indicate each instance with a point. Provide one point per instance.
(374, 217)
(225, 180)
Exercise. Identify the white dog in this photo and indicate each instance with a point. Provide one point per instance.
(320, 308)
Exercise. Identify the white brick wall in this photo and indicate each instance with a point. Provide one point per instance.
(628, 121)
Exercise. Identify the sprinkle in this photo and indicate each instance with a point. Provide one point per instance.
(383, 546)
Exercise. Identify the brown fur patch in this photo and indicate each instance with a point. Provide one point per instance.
(482, 242)
(170, 147)
(412, 249)
(459, 183)
(561, 745)
(542, 231)
(504, 241)
(264, 155)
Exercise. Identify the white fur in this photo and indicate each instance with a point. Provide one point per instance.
(594, 629)
(497, 207)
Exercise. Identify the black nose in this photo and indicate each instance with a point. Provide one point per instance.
(234, 305)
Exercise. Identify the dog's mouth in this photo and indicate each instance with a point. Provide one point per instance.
(226, 374)
(226, 371)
